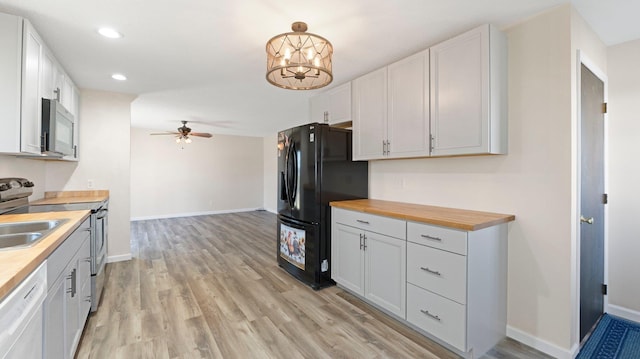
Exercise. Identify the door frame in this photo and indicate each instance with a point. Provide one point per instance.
(583, 59)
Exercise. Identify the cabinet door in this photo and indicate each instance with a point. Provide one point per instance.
(84, 282)
(31, 99)
(369, 100)
(66, 97)
(47, 82)
(318, 106)
(72, 335)
(339, 102)
(54, 318)
(347, 263)
(408, 121)
(385, 272)
(75, 109)
(460, 94)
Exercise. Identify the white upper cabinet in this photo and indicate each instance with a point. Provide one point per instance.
(468, 94)
(369, 103)
(29, 73)
(408, 98)
(332, 106)
(31, 123)
(449, 100)
(390, 113)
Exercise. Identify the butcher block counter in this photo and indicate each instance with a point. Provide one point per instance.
(17, 264)
(441, 216)
(65, 197)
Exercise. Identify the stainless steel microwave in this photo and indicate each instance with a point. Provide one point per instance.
(57, 129)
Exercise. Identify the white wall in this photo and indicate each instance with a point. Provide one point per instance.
(594, 53)
(105, 119)
(270, 172)
(533, 181)
(33, 170)
(624, 177)
(220, 174)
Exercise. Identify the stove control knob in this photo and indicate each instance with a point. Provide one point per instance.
(4, 187)
(28, 184)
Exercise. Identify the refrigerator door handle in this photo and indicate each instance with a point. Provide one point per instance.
(291, 174)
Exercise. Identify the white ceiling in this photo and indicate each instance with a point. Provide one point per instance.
(204, 61)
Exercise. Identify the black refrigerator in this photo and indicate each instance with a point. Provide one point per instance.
(315, 167)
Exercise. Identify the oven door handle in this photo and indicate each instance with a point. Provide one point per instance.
(102, 213)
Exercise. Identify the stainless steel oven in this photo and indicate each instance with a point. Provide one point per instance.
(100, 226)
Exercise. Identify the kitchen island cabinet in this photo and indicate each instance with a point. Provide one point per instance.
(455, 263)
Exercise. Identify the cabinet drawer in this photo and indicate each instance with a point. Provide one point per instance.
(440, 317)
(60, 258)
(451, 240)
(441, 272)
(370, 222)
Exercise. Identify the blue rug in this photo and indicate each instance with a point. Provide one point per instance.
(613, 338)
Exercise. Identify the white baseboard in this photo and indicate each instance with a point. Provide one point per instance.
(119, 258)
(540, 344)
(623, 312)
(191, 214)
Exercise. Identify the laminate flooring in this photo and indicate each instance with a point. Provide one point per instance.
(210, 287)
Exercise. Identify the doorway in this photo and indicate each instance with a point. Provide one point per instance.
(592, 199)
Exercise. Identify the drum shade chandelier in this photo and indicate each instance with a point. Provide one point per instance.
(299, 60)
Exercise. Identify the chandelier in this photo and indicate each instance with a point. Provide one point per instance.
(299, 60)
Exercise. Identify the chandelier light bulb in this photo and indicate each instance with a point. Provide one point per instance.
(178, 140)
(188, 140)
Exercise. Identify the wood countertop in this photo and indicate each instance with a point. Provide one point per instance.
(17, 264)
(66, 197)
(441, 216)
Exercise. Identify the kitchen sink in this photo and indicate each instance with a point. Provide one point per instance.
(28, 227)
(19, 240)
(25, 234)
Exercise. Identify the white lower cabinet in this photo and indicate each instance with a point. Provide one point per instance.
(452, 281)
(369, 264)
(65, 308)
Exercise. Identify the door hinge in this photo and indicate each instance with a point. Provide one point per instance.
(605, 198)
(604, 107)
(604, 289)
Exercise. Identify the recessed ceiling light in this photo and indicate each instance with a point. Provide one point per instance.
(109, 32)
(119, 77)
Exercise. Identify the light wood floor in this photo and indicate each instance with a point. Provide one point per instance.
(210, 287)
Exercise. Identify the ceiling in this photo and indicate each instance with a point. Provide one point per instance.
(204, 61)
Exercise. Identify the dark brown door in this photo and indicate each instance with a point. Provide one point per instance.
(592, 201)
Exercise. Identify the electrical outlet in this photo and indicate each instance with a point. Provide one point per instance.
(90, 183)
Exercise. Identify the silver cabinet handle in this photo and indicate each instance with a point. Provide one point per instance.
(360, 241)
(431, 271)
(361, 221)
(88, 299)
(364, 241)
(384, 147)
(586, 220)
(388, 148)
(426, 312)
(431, 238)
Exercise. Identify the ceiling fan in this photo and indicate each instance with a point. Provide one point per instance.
(184, 133)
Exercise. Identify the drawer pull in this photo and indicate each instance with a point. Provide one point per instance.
(431, 271)
(426, 312)
(431, 238)
(361, 221)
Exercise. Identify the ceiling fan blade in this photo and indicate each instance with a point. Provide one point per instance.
(201, 134)
(165, 133)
